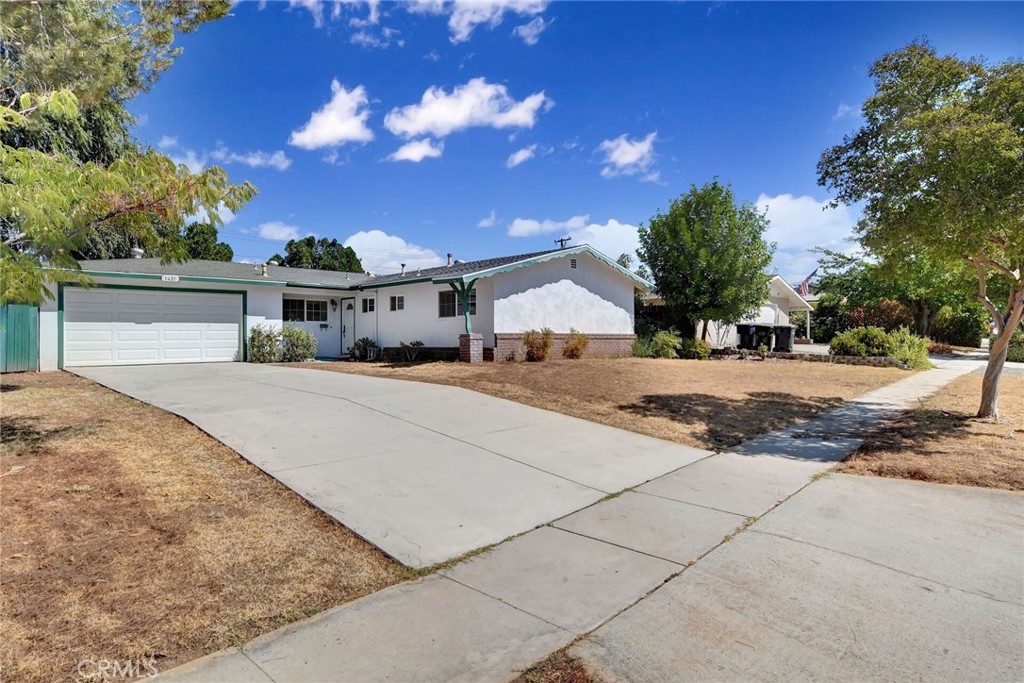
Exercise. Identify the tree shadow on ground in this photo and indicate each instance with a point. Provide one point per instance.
(25, 432)
(914, 430)
(4, 388)
(727, 422)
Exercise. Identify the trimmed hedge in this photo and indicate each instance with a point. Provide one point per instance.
(962, 326)
(862, 341)
(695, 349)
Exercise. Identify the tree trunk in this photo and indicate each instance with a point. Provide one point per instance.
(922, 311)
(704, 331)
(993, 371)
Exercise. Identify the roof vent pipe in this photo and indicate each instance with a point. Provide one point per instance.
(263, 269)
(403, 269)
(137, 252)
(449, 260)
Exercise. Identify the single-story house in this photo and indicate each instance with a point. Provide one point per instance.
(143, 311)
(781, 301)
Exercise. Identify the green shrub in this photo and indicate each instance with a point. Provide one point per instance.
(411, 350)
(828, 319)
(1015, 351)
(695, 349)
(575, 344)
(666, 343)
(910, 349)
(264, 344)
(297, 344)
(538, 344)
(643, 347)
(961, 326)
(862, 341)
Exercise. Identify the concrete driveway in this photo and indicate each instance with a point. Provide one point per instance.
(424, 472)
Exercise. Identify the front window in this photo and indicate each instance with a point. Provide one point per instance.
(398, 303)
(448, 304)
(368, 305)
(316, 311)
(294, 311)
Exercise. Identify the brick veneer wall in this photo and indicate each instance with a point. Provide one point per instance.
(509, 346)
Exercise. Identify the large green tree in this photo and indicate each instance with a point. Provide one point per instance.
(69, 171)
(322, 254)
(708, 257)
(939, 166)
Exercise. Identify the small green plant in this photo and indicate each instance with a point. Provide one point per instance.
(297, 344)
(538, 344)
(364, 349)
(666, 343)
(863, 342)
(762, 351)
(744, 354)
(909, 349)
(575, 344)
(411, 350)
(695, 349)
(643, 347)
(264, 344)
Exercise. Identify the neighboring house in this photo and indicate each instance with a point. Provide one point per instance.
(142, 311)
(782, 300)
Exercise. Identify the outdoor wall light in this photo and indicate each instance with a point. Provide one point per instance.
(334, 304)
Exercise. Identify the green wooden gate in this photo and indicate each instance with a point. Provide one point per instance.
(19, 338)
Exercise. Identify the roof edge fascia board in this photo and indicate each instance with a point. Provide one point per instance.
(182, 278)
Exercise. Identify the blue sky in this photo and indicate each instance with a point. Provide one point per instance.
(410, 130)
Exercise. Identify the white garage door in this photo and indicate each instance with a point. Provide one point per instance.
(134, 327)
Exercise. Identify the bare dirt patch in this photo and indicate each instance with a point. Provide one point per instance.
(941, 440)
(707, 404)
(561, 667)
(130, 533)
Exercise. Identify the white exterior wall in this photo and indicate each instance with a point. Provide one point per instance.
(592, 297)
(48, 333)
(419, 319)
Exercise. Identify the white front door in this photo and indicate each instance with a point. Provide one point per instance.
(348, 324)
(115, 326)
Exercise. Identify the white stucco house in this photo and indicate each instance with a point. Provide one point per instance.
(782, 300)
(142, 311)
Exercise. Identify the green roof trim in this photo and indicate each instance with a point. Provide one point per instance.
(548, 256)
(183, 278)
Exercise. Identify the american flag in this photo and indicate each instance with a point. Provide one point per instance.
(805, 286)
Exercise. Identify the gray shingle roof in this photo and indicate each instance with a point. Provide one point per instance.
(453, 270)
(225, 270)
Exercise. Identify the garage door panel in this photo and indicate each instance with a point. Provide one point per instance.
(129, 327)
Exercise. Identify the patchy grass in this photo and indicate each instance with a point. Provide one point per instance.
(561, 667)
(941, 440)
(129, 533)
(707, 404)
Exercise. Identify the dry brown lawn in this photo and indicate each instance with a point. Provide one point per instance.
(941, 441)
(561, 667)
(708, 404)
(129, 533)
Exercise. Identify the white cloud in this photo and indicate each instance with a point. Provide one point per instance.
(256, 159)
(189, 158)
(381, 252)
(466, 15)
(489, 221)
(530, 31)
(523, 155)
(611, 239)
(473, 104)
(368, 39)
(798, 224)
(315, 7)
(418, 150)
(844, 111)
(341, 120)
(278, 231)
(167, 142)
(528, 227)
(223, 213)
(623, 156)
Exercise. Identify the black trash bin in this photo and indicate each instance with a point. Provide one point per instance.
(746, 334)
(764, 335)
(784, 335)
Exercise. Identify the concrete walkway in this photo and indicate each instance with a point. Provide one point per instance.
(848, 571)
(425, 472)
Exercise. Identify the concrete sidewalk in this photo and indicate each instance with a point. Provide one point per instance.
(491, 616)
